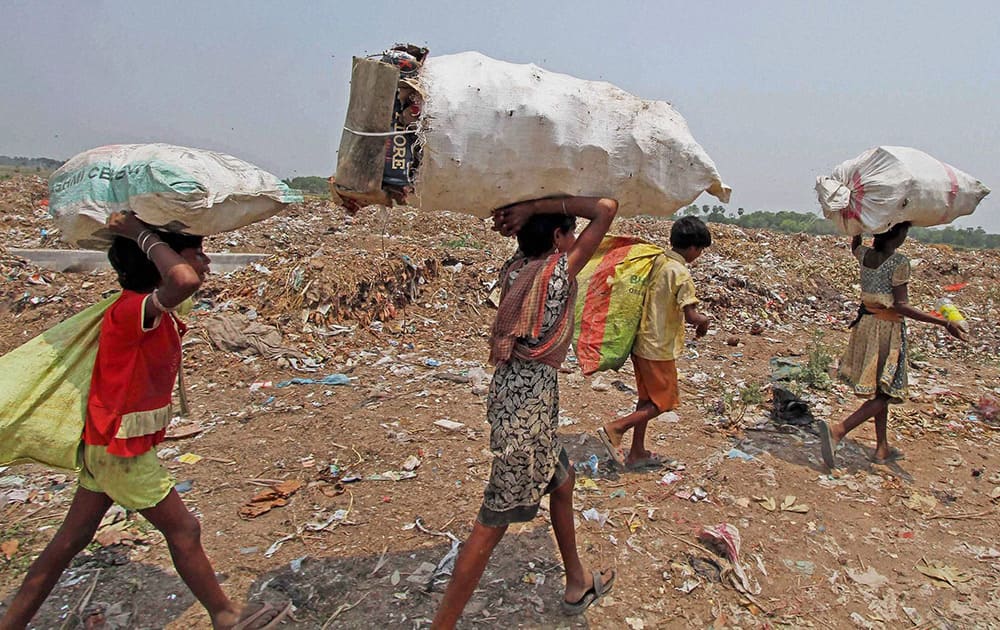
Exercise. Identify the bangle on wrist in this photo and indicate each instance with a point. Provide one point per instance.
(150, 248)
(155, 299)
(142, 239)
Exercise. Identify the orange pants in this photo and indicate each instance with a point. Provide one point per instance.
(656, 381)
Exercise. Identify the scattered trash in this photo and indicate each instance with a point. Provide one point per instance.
(183, 486)
(694, 494)
(181, 431)
(591, 514)
(9, 547)
(689, 585)
(332, 379)
(450, 425)
(588, 466)
(412, 463)
(392, 475)
(804, 567)
(598, 384)
(275, 496)
(948, 574)
(922, 503)
(189, 458)
(735, 453)
(870, 577)
(725, 540)
(669, 478)
(788, 504)
(789, 408)
(989, 407)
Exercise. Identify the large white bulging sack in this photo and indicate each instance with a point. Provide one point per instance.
(176, 188)
(494, 133)
(888, 185)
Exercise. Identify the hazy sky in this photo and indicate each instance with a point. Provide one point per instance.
(777, 92)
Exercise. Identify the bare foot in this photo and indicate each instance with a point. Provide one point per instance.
(253, 616)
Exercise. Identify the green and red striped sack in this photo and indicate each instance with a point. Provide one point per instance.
(611, 290)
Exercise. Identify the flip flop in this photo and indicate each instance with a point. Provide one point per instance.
(826, 445)
(615, 452)
(248, 622)
(653, 462)
(594, 593)
(895, 455)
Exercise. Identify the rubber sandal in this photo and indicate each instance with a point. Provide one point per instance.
(653, 462)
(895, 455)
(615, 452)
(594, 593)
(826, 445)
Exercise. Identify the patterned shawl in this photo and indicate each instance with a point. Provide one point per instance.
(521, 314)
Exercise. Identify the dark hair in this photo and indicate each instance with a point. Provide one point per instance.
(689, 232)
(536, 236)
(135, 271)
(881, 239)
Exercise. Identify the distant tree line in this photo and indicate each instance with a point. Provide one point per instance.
(41, 163)
(802, 222)
(310, 185)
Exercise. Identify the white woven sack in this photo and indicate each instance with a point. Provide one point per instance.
(176, 188)
(888, 185)
(494, 133)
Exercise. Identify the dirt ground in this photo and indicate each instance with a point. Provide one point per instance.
(397, 302)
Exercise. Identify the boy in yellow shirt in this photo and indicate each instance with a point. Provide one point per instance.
(670, 302)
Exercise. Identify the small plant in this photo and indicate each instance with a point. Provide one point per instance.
(816, 373)
(466, 241)
(752, 394)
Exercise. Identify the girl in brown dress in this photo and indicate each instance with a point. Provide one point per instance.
(874, 363)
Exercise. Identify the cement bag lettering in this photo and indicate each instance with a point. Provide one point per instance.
(888, 185)
(175, 188)
(44, 385)
(494, 133)
(611, 290)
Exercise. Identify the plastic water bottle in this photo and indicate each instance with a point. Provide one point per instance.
(949, 311)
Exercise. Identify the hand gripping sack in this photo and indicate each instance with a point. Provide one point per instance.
(44, 385)
(493, 133)
(610, 295)
(888, 185)
(174, 188)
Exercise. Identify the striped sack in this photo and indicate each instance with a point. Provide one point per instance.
(612, 287)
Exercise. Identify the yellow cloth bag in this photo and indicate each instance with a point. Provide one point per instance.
(611, 290)
(44, 386)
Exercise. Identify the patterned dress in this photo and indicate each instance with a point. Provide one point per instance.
(875, 359)
(523, 412)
